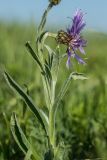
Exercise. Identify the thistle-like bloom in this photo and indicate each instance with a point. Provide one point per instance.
(73, 39)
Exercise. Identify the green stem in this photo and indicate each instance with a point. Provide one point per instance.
(50, 89)
(53, 92)
(43, 21)
(52, 128)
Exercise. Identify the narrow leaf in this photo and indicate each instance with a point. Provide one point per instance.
(50, 51)
(18, 134)
(74, 76)
(55, 66)
(34, 55)
(48, 73)
(54, 69)
(55, 61)
(21, 139)
(78, 76)
(45, 116)
(61, 94)
(28, 155)
(27, 99)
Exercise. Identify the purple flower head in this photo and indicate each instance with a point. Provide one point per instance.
(73, 39)
(78, 23)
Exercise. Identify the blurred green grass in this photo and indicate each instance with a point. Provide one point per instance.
(82, 117)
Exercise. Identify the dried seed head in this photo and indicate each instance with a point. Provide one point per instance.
(63, 37)
(55, 2)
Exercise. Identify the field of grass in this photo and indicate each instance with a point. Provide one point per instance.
(82, 116)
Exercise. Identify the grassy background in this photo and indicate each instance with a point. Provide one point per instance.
(82, 117)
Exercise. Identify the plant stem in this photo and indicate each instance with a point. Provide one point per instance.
(52, 128)
(43, 21)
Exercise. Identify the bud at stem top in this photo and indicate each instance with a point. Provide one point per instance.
(55, 2)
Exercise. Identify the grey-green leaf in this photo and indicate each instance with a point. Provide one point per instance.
(55, 61)
(18, 134)
(74, 76)
(28, 155)
(27, 99)
(21, 139)
(78, 76)
(34, 55)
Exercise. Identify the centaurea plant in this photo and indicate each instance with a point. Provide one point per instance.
(49, 69)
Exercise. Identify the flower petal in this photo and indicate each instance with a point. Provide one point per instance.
(78, 23)
(81, 50)
(68, 63)
(80, 60)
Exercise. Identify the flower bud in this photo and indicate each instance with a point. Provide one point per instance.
(55, 2)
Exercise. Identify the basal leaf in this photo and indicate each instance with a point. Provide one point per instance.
(18, 134)
(21, 139)
(27, 99)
